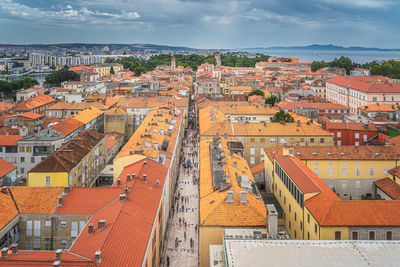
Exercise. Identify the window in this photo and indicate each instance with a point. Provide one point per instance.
(32, 160)
(344, 171)
(36, 244)
(358, 184)
(315, 228)
(365, 138)
(339, 134)
(284, 200)
(252, 160)
(344, 185)
(28, 149)
(81, 225)
(330, 171)
(389, 235)
(22, 159)
(344, 162)
(330, 162)
(308, 217)
(63, 224)
(322, 140)
(354, 235)
(36, 228)
(74, 229)
(252, 151)
(272, 140)
(357, 143)
(356, 135)
(48, 182)
(371, 235)
(302, 140)
(22, 170)
(22, 149)
(29, 228)
(292, 140)
(280, 193)
(283, 141)
(290, 225)
(372, 171)
(301, 225)
(252, 140)
(308, 235)
(47, 223)
(311, 140)
(338, 235)
(261, 151)
(316, 171)
(295, 234)
(290, 208)
(339, 143)
(262, 140)
(63, 243)
(315, 161)
(295, 216)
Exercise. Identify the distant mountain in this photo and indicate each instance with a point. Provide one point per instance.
(136, 47)
(321, 47)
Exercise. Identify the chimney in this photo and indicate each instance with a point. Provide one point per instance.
(145, 178)
(130, 152)
(4, 189)
(14, 249)
(4, 253)
(118, 182)
(56, 263)
(97, 257)
(128, 177)
(67, 189)
(243, 196)
(298, 123)
(58, 254)
(101, 224)
(126, 190)
(145, 163)
(90, 228)
(133, 176)
(230, 199)
(122, 197)
(60, 200)
(272, 219)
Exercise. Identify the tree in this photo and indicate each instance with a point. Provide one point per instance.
(256, 92)
(28, 82)
(271, 100)
(139, 70)
(316, 65)
(112, 72)
(56, 78)
(281, 115)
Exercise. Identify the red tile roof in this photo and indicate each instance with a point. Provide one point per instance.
(68, 126)
(112, 139)
(389, 187)
(5, 167)
(45, 259)
(8, 209)
(129, 223)
(257, 168)
(87, 200)
(35, 102)
(29, 115)
(6, 106)
(371, 84)
(9, 140)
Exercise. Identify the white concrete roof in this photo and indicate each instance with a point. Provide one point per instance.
(308, 253)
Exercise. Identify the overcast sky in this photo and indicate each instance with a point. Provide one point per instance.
(203, 23)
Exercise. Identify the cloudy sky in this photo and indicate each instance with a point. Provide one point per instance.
(203, 23)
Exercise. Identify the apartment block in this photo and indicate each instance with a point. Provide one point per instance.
(227, 197)
(76, 163)
(313, 211)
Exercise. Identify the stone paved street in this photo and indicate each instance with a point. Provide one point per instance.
(183, 228)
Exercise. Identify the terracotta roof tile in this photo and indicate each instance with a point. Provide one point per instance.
(5, 167)
(9, 140)
(44, 201)
(389, 187)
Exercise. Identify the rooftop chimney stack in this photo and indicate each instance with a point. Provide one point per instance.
(4, 189)
(126, 190)
(56, 263)
(58, 254)
(230, 199)
(60, 200)
(133, 176)
(101, 224)
(97, 257)
(272, 219)
(14, 249)
(145, 163)
(122, 197)
(145, 178)
(90, 228)
(4, 253)
(298, 123)
(67, 189)
(243, 196)
(128, 177)
(118, 182)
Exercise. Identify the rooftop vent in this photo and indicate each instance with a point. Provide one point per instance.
(118, 182)
(314, 153)
(14, 249)
(243, 196)
(342, 153)
(67, 189)
(60, 200)
(230, 199)
(376, 154)
(122, 197)
(56, 263)
(97, 255)
(4, 253)
(90, 228)
(4, 189)
(145, 178)
(58, 254)
(329, 153)
(101, 224)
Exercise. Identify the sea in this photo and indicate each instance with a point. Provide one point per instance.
(329, 55)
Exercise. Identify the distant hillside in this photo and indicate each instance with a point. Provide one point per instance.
(321, 47)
